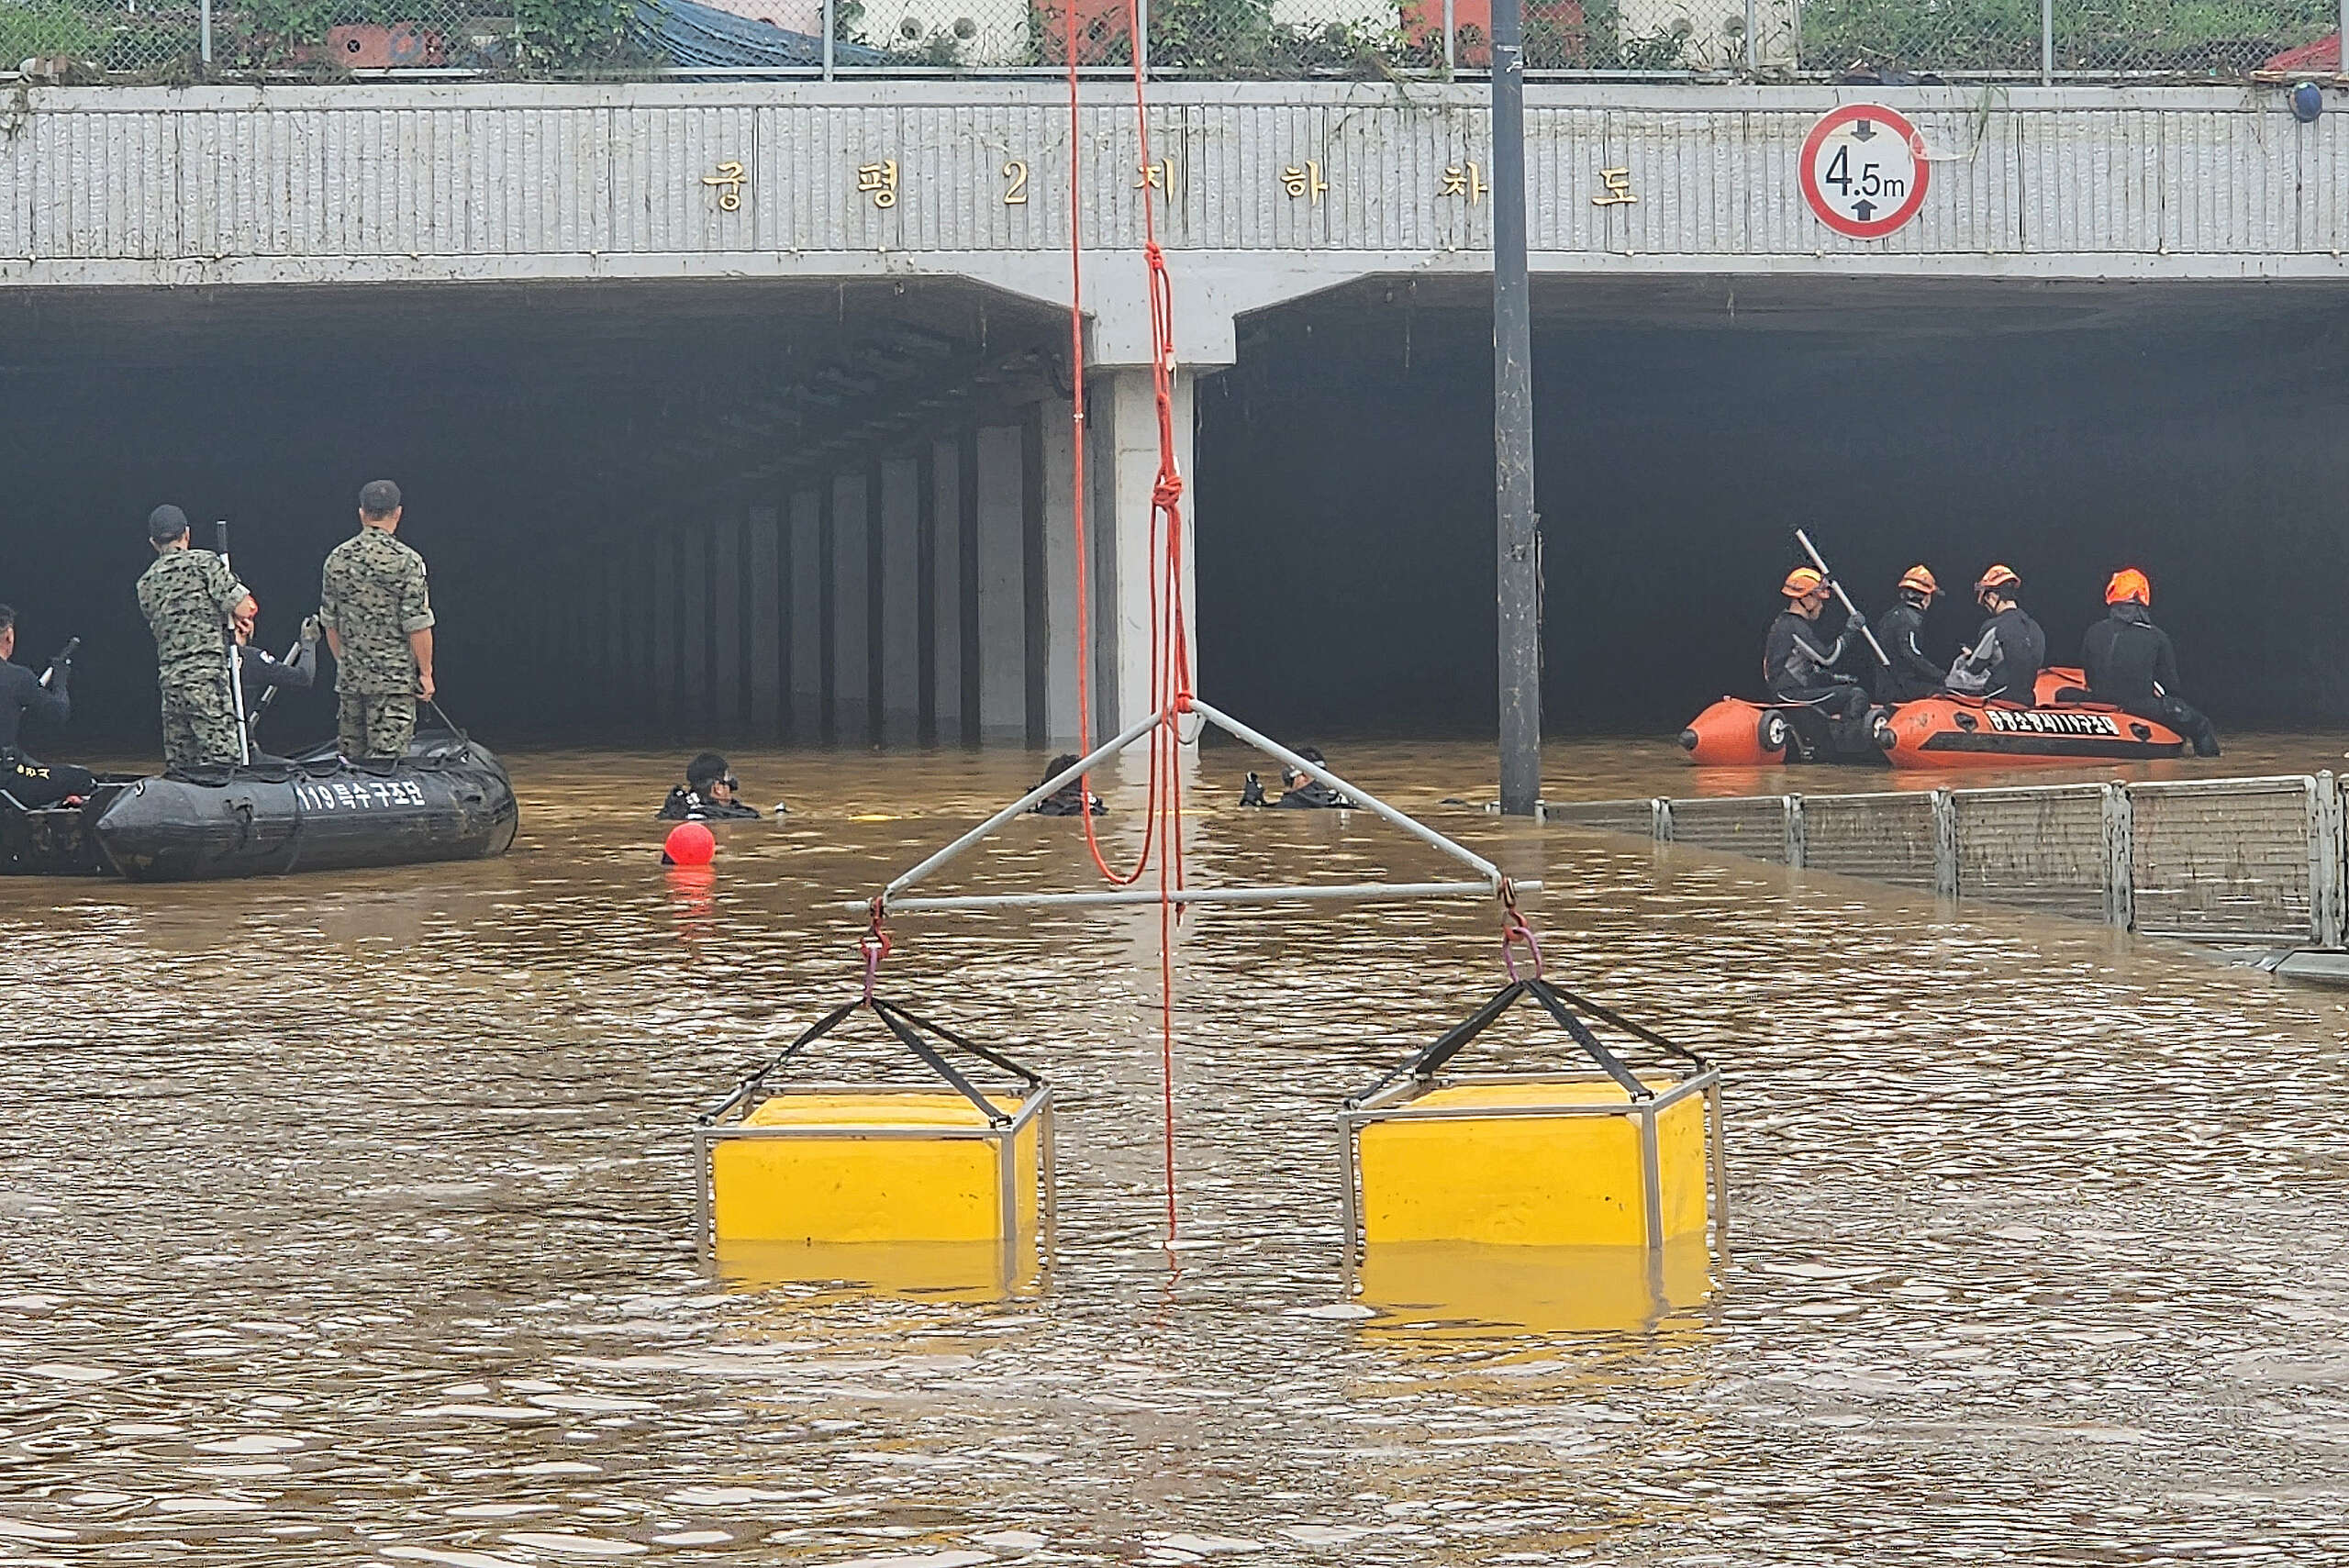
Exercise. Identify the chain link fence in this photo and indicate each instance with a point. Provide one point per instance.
(1891, 41)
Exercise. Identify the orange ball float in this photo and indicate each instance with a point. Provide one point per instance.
(689, 844)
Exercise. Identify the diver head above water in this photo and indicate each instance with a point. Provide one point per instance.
(1072, 799)
(711, 793)
(1300, 791)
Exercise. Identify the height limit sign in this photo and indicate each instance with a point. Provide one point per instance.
(1863, 171)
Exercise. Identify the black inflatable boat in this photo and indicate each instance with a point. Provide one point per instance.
(449, 799)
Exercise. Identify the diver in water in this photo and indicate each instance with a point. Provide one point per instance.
(707, 794)
(1072, 799)
(1910, 674)
(1299, 792)
(2003, 665)
(35, 782)
(2131, 664)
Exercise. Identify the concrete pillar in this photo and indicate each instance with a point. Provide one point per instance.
(966, 492)
(945, 563)
(901, 636)
(806, 627)
(765, 674)
(1003, 586)
(726, 622)
(1125, 462)
(692, 622)
(663, 706)
(1058, 652)
(851, 626)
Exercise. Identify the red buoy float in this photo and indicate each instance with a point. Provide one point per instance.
(688, 844)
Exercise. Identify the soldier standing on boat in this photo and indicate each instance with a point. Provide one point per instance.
(189, 598)
(377, 612)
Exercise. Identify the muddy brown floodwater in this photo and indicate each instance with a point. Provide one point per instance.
(347, 1218)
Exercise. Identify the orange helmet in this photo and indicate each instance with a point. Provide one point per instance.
(1801, 583)
(1998, 577)
(1921, 579)
(2128, 584)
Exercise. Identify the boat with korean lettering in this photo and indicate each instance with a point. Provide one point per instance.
(2063, 724)
(449, 799)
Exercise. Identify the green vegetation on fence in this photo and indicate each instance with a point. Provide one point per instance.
(158, 40)
(2219, 39)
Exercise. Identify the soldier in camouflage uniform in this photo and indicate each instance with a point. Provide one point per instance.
(378, 616)
(189, 597)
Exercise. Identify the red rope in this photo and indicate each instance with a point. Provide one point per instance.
(875, 946)
(1170, 649)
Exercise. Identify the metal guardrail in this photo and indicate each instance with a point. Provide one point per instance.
(2212, 860)
(1892, 41)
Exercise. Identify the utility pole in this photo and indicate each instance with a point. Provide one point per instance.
(1521, 526)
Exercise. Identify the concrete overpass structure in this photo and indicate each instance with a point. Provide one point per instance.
(857, 293)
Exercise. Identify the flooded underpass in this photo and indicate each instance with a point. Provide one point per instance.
(351, 1219)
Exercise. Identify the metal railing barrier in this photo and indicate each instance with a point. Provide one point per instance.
(2251, 860)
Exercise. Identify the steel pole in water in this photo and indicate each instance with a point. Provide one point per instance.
(1519, 525)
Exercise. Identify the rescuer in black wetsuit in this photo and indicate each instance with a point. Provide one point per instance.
(707, 794)
(1299, 791)
(2131, 664)
(1795, 667)
(1071, 799)
(2003, 665)
(1910, 674)
(35, 782)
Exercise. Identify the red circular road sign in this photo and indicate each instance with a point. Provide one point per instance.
(1863, 171)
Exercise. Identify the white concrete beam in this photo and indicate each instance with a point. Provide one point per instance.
(1060, 652)
(1125, 409)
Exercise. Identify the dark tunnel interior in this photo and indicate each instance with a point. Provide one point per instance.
(1683, 430)
(527, 428)
(1343, 477)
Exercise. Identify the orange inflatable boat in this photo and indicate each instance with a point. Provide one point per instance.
(1948, 732)
(1735, 733)
(2062, 726)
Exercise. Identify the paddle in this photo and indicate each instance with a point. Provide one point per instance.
(1811, 550)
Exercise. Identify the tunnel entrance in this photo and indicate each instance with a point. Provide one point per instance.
(836, 512)
(1686, 425)
(598, 475)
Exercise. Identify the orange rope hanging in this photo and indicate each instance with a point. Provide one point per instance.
(1170, 651)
